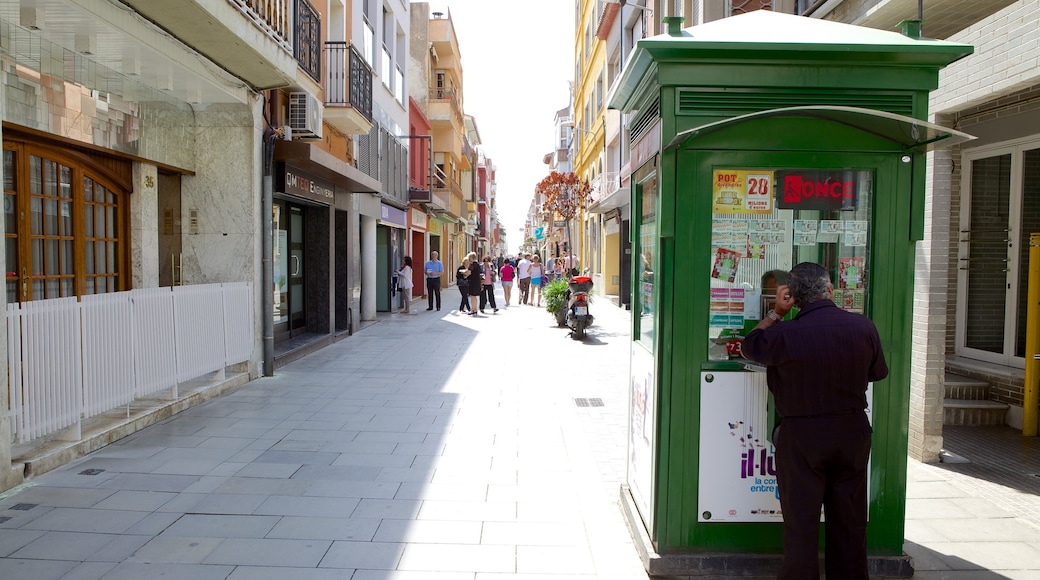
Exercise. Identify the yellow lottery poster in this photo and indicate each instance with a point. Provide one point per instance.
(742, 191)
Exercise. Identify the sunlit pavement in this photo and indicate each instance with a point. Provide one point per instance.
(431, 446)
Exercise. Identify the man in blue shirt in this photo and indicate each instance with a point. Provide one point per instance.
(434, 269)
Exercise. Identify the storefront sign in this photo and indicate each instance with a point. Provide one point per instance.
(436, 226)
(817, 190)
(418, 219)
(302, 184)
(742, 191)
(390, 215)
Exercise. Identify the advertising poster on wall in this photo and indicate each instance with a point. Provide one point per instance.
(742, 191)
(738, 469)
(641, 442)
(737, 475)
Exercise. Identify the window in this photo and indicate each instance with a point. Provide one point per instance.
(999, 211)
(65, 224)
(646, 250)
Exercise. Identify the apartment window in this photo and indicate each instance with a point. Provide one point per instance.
(65, 226)
(369, 48)
(614, 65)
(599, 92)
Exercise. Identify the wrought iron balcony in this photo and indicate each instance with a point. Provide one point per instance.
(348, 89)
(308, 39)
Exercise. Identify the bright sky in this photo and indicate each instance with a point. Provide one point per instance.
(517, 61)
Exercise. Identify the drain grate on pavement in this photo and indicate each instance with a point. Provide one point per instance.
(596, 402)
(5, 519)
(24, 507)
(91, 471)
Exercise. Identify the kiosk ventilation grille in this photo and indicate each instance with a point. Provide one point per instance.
(693, 101)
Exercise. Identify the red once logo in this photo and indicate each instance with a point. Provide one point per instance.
(819, 190)
(797, 188)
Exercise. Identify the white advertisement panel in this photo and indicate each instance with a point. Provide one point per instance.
(737, 471)
(642, 418)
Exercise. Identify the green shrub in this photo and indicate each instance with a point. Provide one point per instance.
(555, 295)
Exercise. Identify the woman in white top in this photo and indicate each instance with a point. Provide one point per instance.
(404, 283)
(537, 271)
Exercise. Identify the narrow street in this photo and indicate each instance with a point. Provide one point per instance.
(435, 445)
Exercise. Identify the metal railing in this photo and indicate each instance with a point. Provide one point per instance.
(308, 39)
(446, 94)
(349, 81)
(275, 17)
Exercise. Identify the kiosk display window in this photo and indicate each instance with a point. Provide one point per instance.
(764, 221)
(647, 252)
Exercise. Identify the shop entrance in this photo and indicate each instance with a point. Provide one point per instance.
(289, 313)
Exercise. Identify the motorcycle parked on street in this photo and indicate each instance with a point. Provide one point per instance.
(578, 317)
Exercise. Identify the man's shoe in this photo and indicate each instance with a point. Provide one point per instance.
(495, 310)
(429, 308)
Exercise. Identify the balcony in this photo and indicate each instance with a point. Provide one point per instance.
(308, 39)
(348, 89)
(445, 106)
(447, 196)
(251, 39)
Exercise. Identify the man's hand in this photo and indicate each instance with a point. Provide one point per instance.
(784, 301)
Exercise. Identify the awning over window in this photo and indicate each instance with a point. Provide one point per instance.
(908, 132)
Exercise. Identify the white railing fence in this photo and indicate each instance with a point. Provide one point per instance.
(69, 360)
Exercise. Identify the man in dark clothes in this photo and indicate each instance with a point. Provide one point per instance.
(818, 367)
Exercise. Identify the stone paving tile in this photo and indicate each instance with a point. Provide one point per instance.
(428, 532)
(11, 540)
(137, 571)
(363, 555)
(35, 569)
(269, 552)
(85, 520)
(458, 558)
(284, 573)
(323, 528)
(221, 526)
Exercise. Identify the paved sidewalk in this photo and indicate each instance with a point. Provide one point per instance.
(431, 446)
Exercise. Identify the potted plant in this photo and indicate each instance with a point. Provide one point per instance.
(555, 294)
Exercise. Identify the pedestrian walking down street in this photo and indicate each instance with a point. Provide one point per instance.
(823, 437)
(476, 284)
(523, 274)
(487, 291)
(462, 281)
(404, 283)
(434, 269)
(507, 273)
(537, 271)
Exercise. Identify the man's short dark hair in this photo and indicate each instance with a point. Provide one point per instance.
(808, 283)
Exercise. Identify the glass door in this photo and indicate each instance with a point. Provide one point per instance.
(289, 312)
(1000, 209)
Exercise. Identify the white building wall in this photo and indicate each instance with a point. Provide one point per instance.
(1006, 59)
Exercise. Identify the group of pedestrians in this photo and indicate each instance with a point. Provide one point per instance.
(475, 278)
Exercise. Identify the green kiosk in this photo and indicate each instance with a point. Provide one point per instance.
(760, 141)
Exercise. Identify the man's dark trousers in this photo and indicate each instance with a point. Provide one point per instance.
(823, 460)
(433, 288)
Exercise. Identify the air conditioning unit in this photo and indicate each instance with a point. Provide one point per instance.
(305, 113)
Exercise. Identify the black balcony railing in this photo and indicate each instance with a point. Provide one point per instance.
(308, 39)
(349, 78)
